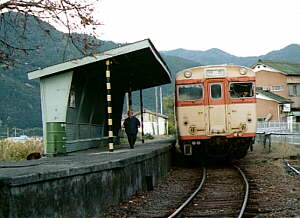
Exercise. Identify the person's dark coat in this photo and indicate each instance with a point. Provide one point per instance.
(131, 125)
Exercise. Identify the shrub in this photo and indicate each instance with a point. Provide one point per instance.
(10, 150)
(148, 136)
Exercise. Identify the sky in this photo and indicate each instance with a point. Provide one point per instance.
(239, 27)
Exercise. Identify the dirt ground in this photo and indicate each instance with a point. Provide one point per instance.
(275, 191)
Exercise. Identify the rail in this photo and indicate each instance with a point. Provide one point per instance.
(179, 210)
(292, 168)
(246, 193)
(241, 210)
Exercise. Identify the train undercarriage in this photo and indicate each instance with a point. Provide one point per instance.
(216, 148)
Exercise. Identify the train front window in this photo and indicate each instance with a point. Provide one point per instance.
(216, 91)
(190, 92)
(241, 90)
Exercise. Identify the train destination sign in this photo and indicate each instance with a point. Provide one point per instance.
(215, 72)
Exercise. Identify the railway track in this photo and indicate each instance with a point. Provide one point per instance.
(293, 166)
(223, 192)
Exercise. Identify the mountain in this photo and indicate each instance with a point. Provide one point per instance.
(217, 56)
(288, 53)
(211, 56)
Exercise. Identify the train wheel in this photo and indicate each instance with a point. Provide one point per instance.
(242, 150)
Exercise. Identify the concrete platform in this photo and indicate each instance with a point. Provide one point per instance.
(81, 184)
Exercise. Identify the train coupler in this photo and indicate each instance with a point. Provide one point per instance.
(187, 149)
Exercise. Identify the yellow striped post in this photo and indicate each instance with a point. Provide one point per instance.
(109, 108)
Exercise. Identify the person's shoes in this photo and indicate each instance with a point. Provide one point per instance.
(132, 147)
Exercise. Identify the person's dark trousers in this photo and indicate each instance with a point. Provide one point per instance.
(131, 139)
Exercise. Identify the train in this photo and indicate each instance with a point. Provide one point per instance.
(215, 111)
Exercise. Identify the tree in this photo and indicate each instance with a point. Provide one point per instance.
(71, 15)
(169, 110)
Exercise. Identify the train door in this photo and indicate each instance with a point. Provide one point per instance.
(217, 107)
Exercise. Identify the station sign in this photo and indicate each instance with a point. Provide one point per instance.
(215, 73)
(286, 108)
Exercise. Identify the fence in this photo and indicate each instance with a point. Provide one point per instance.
(282, 132)
(73, 131)
(84, 131)
(6, 132)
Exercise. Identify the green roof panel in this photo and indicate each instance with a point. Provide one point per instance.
(271, 95)
(289, 68)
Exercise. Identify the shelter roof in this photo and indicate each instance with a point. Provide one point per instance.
(134, 66)
(288, 68)
(273, 96)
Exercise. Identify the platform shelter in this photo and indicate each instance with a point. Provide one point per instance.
(82, 99)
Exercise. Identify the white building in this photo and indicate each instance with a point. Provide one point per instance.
(154, 123)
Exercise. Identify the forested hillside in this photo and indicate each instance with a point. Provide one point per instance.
(19, 97)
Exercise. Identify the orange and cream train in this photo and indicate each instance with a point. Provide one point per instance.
(215, 111)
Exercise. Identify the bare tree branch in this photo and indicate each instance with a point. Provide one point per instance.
(71, 14)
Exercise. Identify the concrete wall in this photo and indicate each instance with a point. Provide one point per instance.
(80, 191)
(54, 100)
(295, 99)
(264, 107)
(268, 79)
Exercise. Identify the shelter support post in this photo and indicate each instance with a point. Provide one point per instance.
(142, 114)
(129, 100)
(109, 108)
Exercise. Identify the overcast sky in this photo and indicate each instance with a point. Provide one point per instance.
(239, 27)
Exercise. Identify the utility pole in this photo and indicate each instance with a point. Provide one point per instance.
(161, 105)
(127, 101)
(142, 114)
(156, 110)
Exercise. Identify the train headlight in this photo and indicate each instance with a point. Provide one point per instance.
(187, 74)
(192, 130)
(243, 71)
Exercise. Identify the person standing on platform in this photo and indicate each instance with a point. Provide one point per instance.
(131, 125)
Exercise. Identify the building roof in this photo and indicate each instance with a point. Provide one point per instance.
(134, 66)
(288, 68)
(137, 113)
(151, 112)
(273, 96)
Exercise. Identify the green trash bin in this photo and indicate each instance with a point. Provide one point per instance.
(56, 137)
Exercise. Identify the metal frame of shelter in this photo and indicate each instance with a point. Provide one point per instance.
(82, 99)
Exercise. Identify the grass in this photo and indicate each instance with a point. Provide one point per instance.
(15, 151)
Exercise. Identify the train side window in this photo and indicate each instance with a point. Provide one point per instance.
(216, 91)
(190, 92)
(241, 90)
